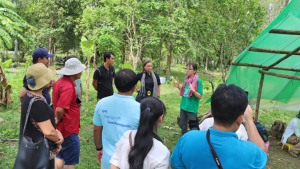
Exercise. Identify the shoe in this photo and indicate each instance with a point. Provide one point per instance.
(293, 154)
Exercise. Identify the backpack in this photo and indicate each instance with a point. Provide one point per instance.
(262, 131)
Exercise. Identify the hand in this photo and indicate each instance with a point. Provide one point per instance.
(191, 87)
(248, 115)
(52, 83)
(79, 104)
(56, 121)
(137, 88)
(19, 108)
(60, 138)
(99, 155)
(57, 149)
(176, 83)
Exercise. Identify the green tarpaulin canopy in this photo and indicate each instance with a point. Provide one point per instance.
(277, 93)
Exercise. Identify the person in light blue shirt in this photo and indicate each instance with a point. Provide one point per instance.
(229, 107)
(114, 115)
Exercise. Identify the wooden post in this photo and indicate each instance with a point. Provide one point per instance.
(264, 67)
(283, 58)
(283, 31)
(253, 49)
(279, 75)
(259, 96)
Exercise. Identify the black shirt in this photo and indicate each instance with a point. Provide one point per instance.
(149, 84)
(40, 112)
(45, 91)
(104, 78)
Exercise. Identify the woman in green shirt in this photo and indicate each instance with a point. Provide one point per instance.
(191, 92)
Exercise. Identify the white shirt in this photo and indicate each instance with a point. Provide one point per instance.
(158, 156)
(292, 128)
(241, 132)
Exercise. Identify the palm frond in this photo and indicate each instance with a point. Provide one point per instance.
(6, 3)
(6, 38)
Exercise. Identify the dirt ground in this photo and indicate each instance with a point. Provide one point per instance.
(278, 158)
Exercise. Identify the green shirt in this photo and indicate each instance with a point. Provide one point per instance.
(191, 104)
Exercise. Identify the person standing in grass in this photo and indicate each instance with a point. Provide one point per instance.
(67, 113)
(143, 148)
(104, 76)
(191, 92)
(150, 82)
(78, 88)
(219, 146)
(40, 55)
(114, 115)
(41, 119)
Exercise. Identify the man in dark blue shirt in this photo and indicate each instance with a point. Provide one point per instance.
(39, 56)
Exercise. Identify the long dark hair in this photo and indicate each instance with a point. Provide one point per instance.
(144, 64)
(151, 109)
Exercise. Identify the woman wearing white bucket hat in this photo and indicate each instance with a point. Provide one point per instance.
(67, 113)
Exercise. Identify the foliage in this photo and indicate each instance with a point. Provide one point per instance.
(11, 24)
(6, 64)
(87, 47)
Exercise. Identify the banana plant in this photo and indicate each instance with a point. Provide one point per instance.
(87, 47)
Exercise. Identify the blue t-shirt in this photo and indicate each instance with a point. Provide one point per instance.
(45, 91)
(117, 114)
(192, 151)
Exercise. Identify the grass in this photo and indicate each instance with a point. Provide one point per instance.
(169, 130)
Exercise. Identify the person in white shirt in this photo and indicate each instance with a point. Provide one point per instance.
(241, 132)
(142, 148)
(292, 135)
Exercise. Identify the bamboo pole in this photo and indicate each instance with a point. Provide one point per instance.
(253, 49)
(283, 31)
(259, 96)
(264, 67)
(280, 75)
(283, 58)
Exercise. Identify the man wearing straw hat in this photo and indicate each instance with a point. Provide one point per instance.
(67, 113)
(292, 135)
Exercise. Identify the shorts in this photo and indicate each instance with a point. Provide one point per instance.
(70, 150)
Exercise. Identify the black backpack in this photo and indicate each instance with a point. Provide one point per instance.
(262, 131)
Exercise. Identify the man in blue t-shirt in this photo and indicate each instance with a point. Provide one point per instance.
(114, 115)
(40, 55)
(229, 107)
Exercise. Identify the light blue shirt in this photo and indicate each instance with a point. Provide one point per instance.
(117, 114)
(192, 151)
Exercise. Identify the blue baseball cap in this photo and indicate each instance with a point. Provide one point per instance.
(41, 52)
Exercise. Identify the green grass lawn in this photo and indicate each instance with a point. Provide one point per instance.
(169, 131)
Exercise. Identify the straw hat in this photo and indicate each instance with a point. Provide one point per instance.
(72, 67)
(38, 76)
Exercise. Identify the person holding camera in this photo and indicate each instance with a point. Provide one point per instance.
(219, 146)
(66, 106)
(191, 92)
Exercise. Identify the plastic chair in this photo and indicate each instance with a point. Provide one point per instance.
(287, 144)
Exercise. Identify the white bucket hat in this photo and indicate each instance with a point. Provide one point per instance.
(72, 67)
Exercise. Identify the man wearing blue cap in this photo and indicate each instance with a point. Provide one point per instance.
(40, 55)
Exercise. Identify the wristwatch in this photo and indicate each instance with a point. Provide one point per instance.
(194, 91)
(99, 149)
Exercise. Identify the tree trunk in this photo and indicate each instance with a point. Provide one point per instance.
(160, 47)
(206, 63)
(49, 50)
(124, 54)
(287, 2)
(222, 66)
(95, 52)
(87, 81)
(16, 49)
(168, 72)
